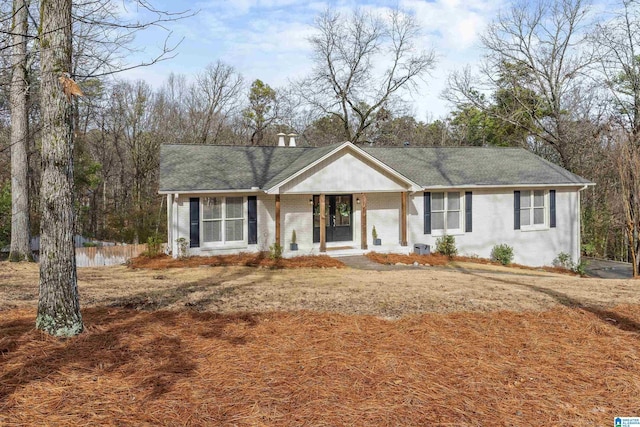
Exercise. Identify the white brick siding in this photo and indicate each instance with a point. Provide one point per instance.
(492, 224)
(383, 212)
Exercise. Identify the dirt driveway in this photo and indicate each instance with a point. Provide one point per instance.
(387, 294)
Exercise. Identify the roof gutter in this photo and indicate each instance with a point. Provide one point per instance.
(239, 190)
(442, 187)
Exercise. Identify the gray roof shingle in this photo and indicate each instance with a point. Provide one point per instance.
(463, 166)
(186, 167)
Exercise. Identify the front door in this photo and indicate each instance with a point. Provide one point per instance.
(339, 216)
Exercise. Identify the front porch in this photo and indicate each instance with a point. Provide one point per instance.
(341, 223)
(350, 250)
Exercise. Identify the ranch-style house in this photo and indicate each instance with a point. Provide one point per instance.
(230, 199)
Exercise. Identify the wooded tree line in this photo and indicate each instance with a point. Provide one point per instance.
(558, 78)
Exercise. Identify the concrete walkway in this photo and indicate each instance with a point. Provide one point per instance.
(361, 262)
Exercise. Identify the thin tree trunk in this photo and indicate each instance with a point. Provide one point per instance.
(20, 249)
(58, 307)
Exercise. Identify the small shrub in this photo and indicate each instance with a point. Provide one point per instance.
(183, 247)
(374, 233)
(446, 245)
(154, 247)
(564, 260)
(589, 249)
(580, 268)
(275, 251)
(502, 253)
(294, 238)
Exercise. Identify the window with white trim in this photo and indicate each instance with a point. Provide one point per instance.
(222, 219)
(533, 209)
(446, 211)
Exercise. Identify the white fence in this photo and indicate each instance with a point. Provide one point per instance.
(107, 255)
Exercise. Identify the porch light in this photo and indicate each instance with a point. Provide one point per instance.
(358, 200)
(310, 201)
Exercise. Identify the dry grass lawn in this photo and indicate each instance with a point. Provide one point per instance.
(250, 346)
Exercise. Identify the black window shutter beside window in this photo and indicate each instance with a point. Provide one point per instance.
(468, 219)
(253, 219)
(516, 210)
(552, 208)
(427, 212)
(194, 222)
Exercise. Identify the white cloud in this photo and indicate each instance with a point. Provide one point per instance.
(268, 39)
(452, 24)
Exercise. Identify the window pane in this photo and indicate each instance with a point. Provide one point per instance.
(453, 201)
(525, 199)
(233, 229)
(437, 220)
(538, 216)
(538, 198)
(343, 210)
(211, 231)
(437, 201)
(342, 220)
(453, 220)
(211, 208)
(525, 217)
(234, 207)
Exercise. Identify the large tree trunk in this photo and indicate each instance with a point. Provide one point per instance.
(58, 307)
(20, 249)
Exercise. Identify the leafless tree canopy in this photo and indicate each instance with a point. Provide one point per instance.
(361, 63)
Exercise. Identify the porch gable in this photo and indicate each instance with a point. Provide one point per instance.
(345, 171)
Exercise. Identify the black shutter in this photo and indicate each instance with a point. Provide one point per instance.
(516, 210)
(253, 219)
(468, 220)
(427, 212)
(552, 208)
(194, 222)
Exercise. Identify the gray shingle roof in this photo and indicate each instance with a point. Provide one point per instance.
(185, 167)
(463, 166)
(209, 167)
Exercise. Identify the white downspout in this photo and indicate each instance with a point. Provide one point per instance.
(175, 227)
(169, 222)
(579, 222)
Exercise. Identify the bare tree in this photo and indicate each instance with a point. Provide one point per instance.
(618, 40)
(171, 104)
(627, 161)
(214, 96)
(535, 65)
(102, 36)
(361, 61)
(58, 306)
(20, 249)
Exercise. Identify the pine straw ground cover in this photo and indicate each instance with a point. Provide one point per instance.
(564, 366)
(442, 260)
(260, 259)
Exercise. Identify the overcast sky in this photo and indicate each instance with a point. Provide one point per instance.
(267, 39)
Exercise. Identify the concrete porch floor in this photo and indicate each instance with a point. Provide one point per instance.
(352, 251)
